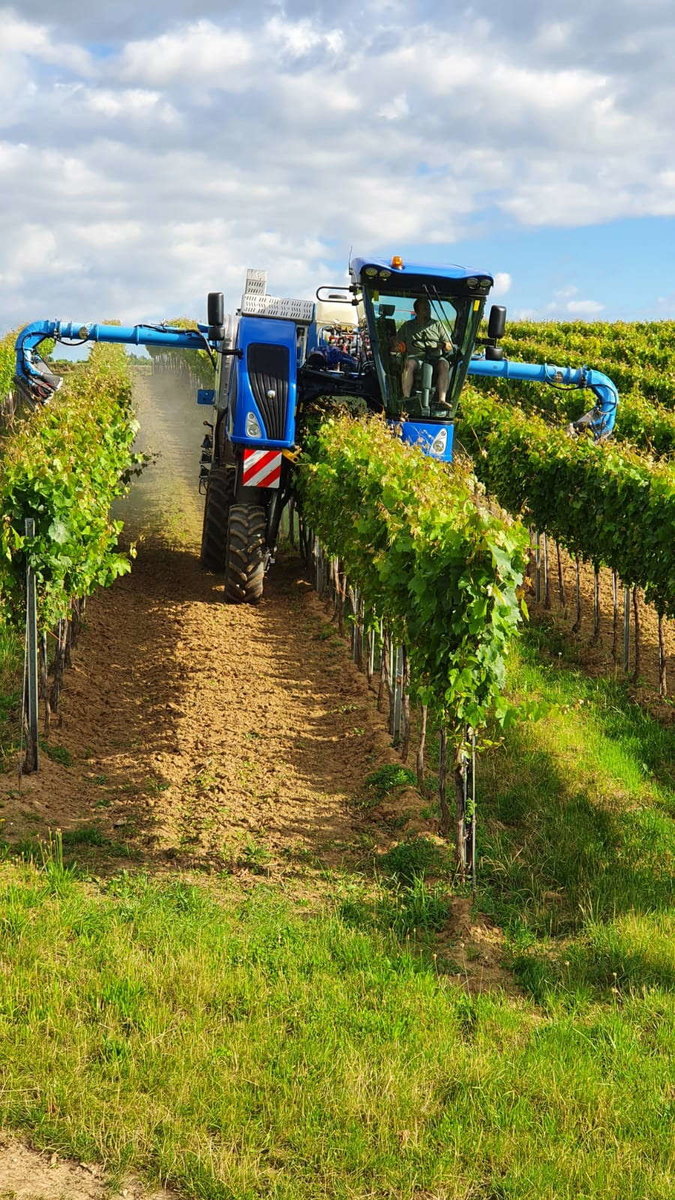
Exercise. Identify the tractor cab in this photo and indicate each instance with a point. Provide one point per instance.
(419, 327)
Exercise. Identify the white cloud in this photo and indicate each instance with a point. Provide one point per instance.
(21, 37)
(202, 54)
(283, 134)
(565, 303)
(130, 104)
(502, 283)
(395, 109)
(300, 37)
(584, 308)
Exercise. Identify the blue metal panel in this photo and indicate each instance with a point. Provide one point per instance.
(604, 415)
(436, 441)
(434, 272)
(271, 332)
(206, 395)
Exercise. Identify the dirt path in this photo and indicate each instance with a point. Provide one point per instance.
(27, 1175)
(199, 732)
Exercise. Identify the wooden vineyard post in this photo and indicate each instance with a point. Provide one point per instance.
(626, 629)
(397, 698)
(615, 614)
(358, 629)
(385, 685)
(547, 586)
(342, 597)
(561, 579)
(422, 746)
(59, 664)
(30, 714)
(405, 706)
(353, 604)
(596, 605)
(370, 656)
(335, 585)
(445, 822)
(663, 682)
(318, 572)
(465, 812)
(537, 568)
(636, 626)
(577, 620)
(44, 684)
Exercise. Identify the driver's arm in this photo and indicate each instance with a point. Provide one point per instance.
(444, 341)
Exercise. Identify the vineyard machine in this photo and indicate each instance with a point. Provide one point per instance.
(276, 359)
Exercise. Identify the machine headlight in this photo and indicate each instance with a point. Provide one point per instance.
(370, 271)
(253, 429)
(385, 274)
(440, 442)
(472, 283)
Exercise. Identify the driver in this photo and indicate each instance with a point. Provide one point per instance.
(422, 338)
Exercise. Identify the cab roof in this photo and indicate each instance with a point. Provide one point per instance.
(358, 265)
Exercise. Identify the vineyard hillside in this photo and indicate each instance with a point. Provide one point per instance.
(241, 955)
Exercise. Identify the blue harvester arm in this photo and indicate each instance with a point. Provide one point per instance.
(35, 377)
(600, 419)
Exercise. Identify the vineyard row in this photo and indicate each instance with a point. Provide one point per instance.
(603, 503)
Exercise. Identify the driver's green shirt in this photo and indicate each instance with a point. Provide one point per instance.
(419, 337)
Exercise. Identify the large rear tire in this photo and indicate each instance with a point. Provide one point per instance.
(246, 554)
(219, 497)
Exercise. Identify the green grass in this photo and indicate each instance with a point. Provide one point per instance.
(243, 1050)
(579, 803)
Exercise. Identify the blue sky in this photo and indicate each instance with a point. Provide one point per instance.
(149, 154)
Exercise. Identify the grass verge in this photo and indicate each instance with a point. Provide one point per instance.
(241, 1050)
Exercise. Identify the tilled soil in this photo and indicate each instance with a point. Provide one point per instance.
(198, 732)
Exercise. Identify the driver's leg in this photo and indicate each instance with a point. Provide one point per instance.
(442, 380)
(408, 376)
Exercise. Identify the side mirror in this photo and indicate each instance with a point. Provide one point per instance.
(497, 322)
(215, 309)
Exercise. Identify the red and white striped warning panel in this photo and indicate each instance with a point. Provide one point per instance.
(262, 468)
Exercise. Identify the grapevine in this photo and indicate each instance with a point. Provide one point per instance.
(63, 465)
(430, 557)
(604, 503)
